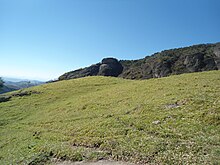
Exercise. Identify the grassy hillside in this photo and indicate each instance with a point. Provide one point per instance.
(171, 120)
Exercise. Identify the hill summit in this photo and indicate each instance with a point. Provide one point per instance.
(197, 58)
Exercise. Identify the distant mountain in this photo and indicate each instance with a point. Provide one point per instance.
(22, 84)
(11, 84)
(6, 89)
(197, 58)
(12, 79)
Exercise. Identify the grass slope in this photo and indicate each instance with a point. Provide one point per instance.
(171, 120)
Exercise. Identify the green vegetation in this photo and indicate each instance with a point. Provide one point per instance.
(174, 61)
(171, 120)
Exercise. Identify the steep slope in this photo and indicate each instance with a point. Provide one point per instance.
(195, 58)
(171, 120)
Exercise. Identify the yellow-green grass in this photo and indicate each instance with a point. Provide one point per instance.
(171, 120)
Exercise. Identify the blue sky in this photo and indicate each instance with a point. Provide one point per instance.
(42, 39)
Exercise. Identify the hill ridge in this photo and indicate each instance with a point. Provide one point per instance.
(196, 58)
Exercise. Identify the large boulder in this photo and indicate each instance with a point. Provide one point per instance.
(110, 67)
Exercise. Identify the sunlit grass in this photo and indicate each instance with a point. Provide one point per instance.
(172, 120)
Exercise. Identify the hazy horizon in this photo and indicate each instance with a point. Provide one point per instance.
(43, 39)
(17, 79)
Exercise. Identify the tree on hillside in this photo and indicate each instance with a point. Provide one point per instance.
(1, 82)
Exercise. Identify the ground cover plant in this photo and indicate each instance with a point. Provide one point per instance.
(171, 120)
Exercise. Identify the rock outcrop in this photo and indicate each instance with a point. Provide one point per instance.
(4, 98)
(108, 67)
(195, 58)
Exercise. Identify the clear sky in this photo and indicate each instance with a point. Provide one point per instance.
(42, 39)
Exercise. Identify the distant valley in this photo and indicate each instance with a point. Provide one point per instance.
(12, 84)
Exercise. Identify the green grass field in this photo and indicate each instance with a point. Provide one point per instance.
(171, 120)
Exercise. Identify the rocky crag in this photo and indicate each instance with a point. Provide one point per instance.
(197, 58)
(108, 67)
